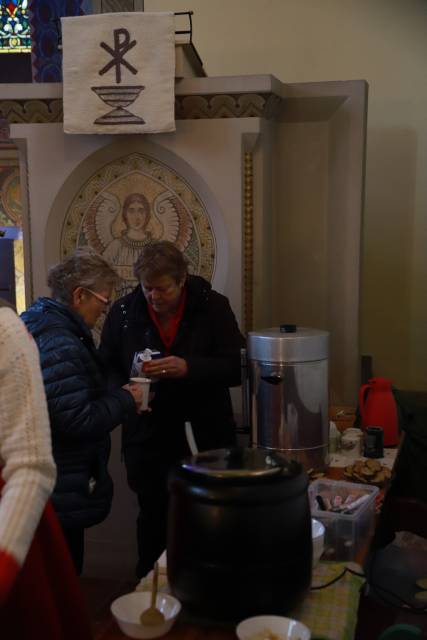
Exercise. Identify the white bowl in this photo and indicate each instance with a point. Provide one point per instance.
(272, 628)
(318, 537)
(128, 608)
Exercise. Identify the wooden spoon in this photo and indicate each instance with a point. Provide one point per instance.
(152, 616)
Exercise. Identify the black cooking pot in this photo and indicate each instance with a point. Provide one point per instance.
(239, 533)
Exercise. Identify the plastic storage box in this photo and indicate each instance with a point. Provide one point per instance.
(347, 535)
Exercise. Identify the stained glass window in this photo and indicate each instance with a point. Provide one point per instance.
(15, 36)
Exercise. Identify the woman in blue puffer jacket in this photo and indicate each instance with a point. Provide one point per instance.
(82, 412)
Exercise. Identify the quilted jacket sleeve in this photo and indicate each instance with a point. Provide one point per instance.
(80, 407)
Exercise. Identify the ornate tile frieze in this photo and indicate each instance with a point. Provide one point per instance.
(227, 105)
(187, 107)
(31, 111)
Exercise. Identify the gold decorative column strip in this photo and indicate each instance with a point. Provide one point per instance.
(248, 235)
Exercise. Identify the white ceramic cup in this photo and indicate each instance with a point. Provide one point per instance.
(145, 382)
(352, 443)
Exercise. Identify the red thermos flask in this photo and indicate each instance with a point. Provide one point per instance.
(378, 409)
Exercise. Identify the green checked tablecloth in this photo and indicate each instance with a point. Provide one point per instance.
(332, 612)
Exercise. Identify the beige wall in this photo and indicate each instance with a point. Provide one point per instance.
(384, 42)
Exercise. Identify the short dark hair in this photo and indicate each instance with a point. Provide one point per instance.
(161, 258)
(83, 268)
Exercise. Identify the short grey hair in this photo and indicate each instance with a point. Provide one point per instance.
(161, 258)
(83, 268)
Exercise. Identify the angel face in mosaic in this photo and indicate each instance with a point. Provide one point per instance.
(134, 218)
(120, 231)
(123, 251)
(136, 215)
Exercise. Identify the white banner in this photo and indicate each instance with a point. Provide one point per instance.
(119, 73)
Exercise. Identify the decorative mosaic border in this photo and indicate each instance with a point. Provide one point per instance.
(248, 234)
(227, 105)
(187, 107)
(31, 111)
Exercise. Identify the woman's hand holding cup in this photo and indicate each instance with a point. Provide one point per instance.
(140, 390)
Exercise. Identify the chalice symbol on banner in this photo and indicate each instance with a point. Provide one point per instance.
(118, 96)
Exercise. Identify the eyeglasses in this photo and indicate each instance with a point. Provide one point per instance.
(98, 296)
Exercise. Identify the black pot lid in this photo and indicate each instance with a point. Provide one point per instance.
(241, 462)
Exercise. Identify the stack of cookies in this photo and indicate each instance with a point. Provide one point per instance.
(368, 471)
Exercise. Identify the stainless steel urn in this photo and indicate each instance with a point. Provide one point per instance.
(288, 375)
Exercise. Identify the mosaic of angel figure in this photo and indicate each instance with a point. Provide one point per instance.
(119, 232)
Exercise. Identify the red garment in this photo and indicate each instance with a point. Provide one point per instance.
(173, 323)
(46, 602)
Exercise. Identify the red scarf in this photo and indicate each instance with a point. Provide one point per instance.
(174, 322)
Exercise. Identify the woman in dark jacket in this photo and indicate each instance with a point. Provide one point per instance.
(196, 332)
(82, 413)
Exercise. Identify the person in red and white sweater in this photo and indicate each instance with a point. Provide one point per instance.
(39, 591)
(28, 469)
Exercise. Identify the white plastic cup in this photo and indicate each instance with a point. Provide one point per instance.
(145, 382)
(318, 537)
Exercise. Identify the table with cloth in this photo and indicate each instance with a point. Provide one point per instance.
(330, 613)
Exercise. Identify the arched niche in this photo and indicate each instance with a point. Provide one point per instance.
(88, 210)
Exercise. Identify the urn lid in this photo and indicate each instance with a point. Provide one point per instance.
(288, 343)
(241, 463)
